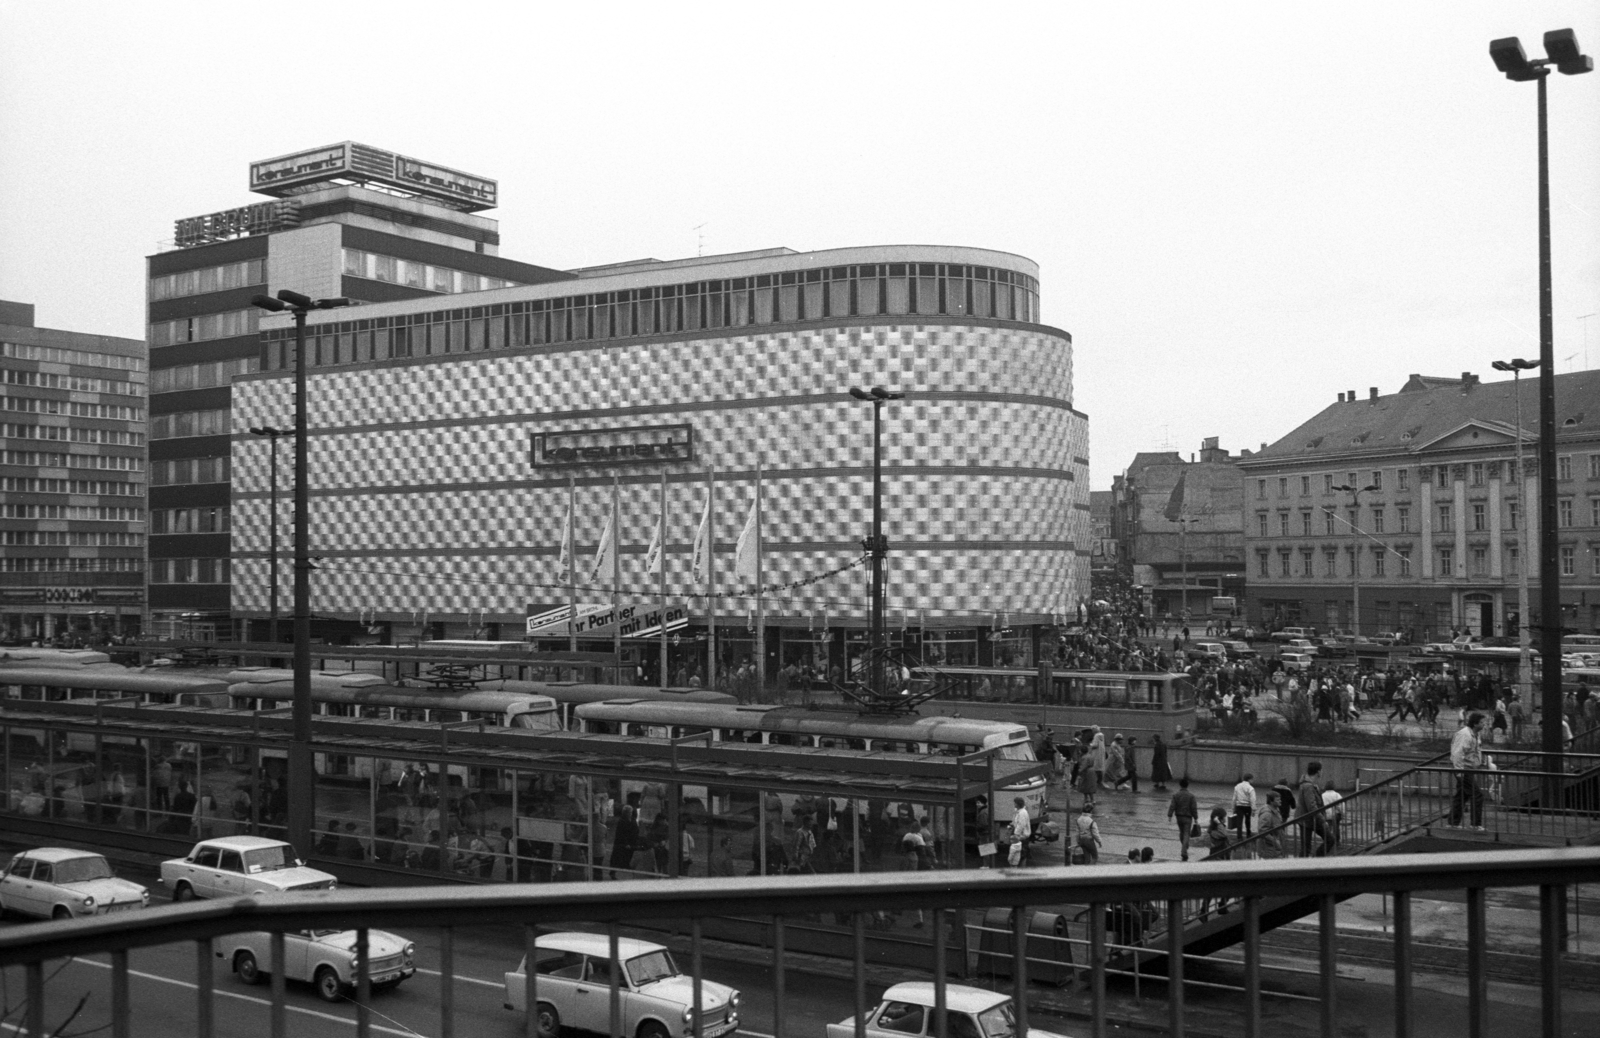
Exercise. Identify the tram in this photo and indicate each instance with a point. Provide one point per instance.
(158, 685)
(43, 657)
(1143, 703)
(356, 695)
(827, 729)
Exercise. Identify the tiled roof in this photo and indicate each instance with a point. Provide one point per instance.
(1418, 415)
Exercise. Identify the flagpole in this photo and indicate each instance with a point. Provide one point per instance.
(761, 616)
(711, 579)
(661, 532)
(572, 568)
(616, 570)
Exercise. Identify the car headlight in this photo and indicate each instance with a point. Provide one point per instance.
(688, 1014)
(733, 1000)
(88, 901)
(144, 896)
(410, 950)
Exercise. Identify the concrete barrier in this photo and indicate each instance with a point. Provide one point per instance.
(1225, 762)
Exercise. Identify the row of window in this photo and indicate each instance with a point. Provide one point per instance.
(182, 471)
(60, 355)
(205, 327)
(209, 279)
(1477, 562)
(189, 423)
(1477, 519)
(866, 290)
(73, 539)
(71, 408)
(71, 565)
(91, 513)
(104, 487)
(207, 375)
(216, 519)
(1476, 473)
(59, 460)
(412, 274)
(110, 437)
(190, 571)
(72, 383)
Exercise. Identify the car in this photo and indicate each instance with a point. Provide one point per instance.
(574, 978)
(1438, 648)
(1462, 642)
(324, 958)
(1289, 633)
(1206, 651)
(1240, 650)
(1305, 645)
(232, 865)
(63, 883)
(908, 1009)
(1300, 661)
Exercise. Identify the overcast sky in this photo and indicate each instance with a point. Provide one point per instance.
(1239, 210)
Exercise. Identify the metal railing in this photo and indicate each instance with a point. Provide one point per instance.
(608, 906)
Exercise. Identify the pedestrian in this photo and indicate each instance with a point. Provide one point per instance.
(1021, 833)
(1185, 808)
(1160, 770)
(1244, 805)
(1088, 835)
(1131, 762)
(624, 840)
(1116, 764)
(1270, 843)
(161, 785)
(1308, 808)
(1466, 757)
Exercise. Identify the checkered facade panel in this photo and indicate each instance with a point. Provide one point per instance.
(424, 501)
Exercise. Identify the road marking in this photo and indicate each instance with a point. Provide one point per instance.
(248, 998)
(462, 976)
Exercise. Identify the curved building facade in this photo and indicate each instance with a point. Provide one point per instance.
(448, 446)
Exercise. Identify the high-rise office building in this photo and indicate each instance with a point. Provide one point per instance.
(72, 483)
(343, 220)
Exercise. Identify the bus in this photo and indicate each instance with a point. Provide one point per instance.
(1141, 703)
(828, 729)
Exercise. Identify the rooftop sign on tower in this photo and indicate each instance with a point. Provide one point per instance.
(349, 162)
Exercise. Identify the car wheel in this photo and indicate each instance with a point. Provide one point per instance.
(61, 912)
(549, 1021)
(183, 892)
(245, 965)
(653, 1029)
(329, 987)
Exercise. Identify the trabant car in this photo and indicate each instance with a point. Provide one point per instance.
(324, 958)
(908, 1009)
(1289, 633)
(232, 865)
(62, 883)
(1296, 660)
(574, 984)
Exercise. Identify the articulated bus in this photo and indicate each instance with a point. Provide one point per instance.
(1143, 703)
(826, 729)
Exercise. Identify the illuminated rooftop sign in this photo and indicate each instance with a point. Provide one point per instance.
(261, 218)
(349, 162)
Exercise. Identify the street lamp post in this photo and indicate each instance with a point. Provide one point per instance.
(1183, 568)
(1524, 651)
(1561, 49)
(272, 533)
(301, 781)
(1355, 553)
(876, 545)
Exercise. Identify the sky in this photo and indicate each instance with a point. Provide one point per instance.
(1239, 210)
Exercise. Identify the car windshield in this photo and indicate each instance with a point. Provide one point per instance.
(998, 1021)
(81, 870)
(265, 859)
(651, 967)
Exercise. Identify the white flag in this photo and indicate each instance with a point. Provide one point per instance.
(747, 553)
(652, 557)
(603, 553)
(702, 546)
(566, 539)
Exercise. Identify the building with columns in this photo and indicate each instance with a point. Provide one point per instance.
(1438, 521)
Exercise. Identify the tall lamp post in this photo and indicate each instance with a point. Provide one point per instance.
(1561, 49)
(1183, 567)
(1524, 653)
(1355, 553)
(301, 780)
(876, 545)
(272, 534)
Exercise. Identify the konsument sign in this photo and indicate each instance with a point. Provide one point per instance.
(633, 445)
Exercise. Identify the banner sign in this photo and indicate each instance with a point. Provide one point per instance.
(71, 596)
(631, 620)
(635, 445)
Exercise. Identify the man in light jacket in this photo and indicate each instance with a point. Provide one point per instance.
(1244, 805)
(1466, 757)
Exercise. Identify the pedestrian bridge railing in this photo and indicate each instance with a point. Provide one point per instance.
(687, 904)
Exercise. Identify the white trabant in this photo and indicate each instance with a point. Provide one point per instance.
(908, 1009)
(324, 958)
(62, 883)
(1300, 661)
(573, 979)
(232, 865)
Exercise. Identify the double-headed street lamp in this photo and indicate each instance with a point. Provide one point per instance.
(876, 545)
(301, 781)
(272, 534)
(1524, 663)
(1355, 552)
(1562, 53)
